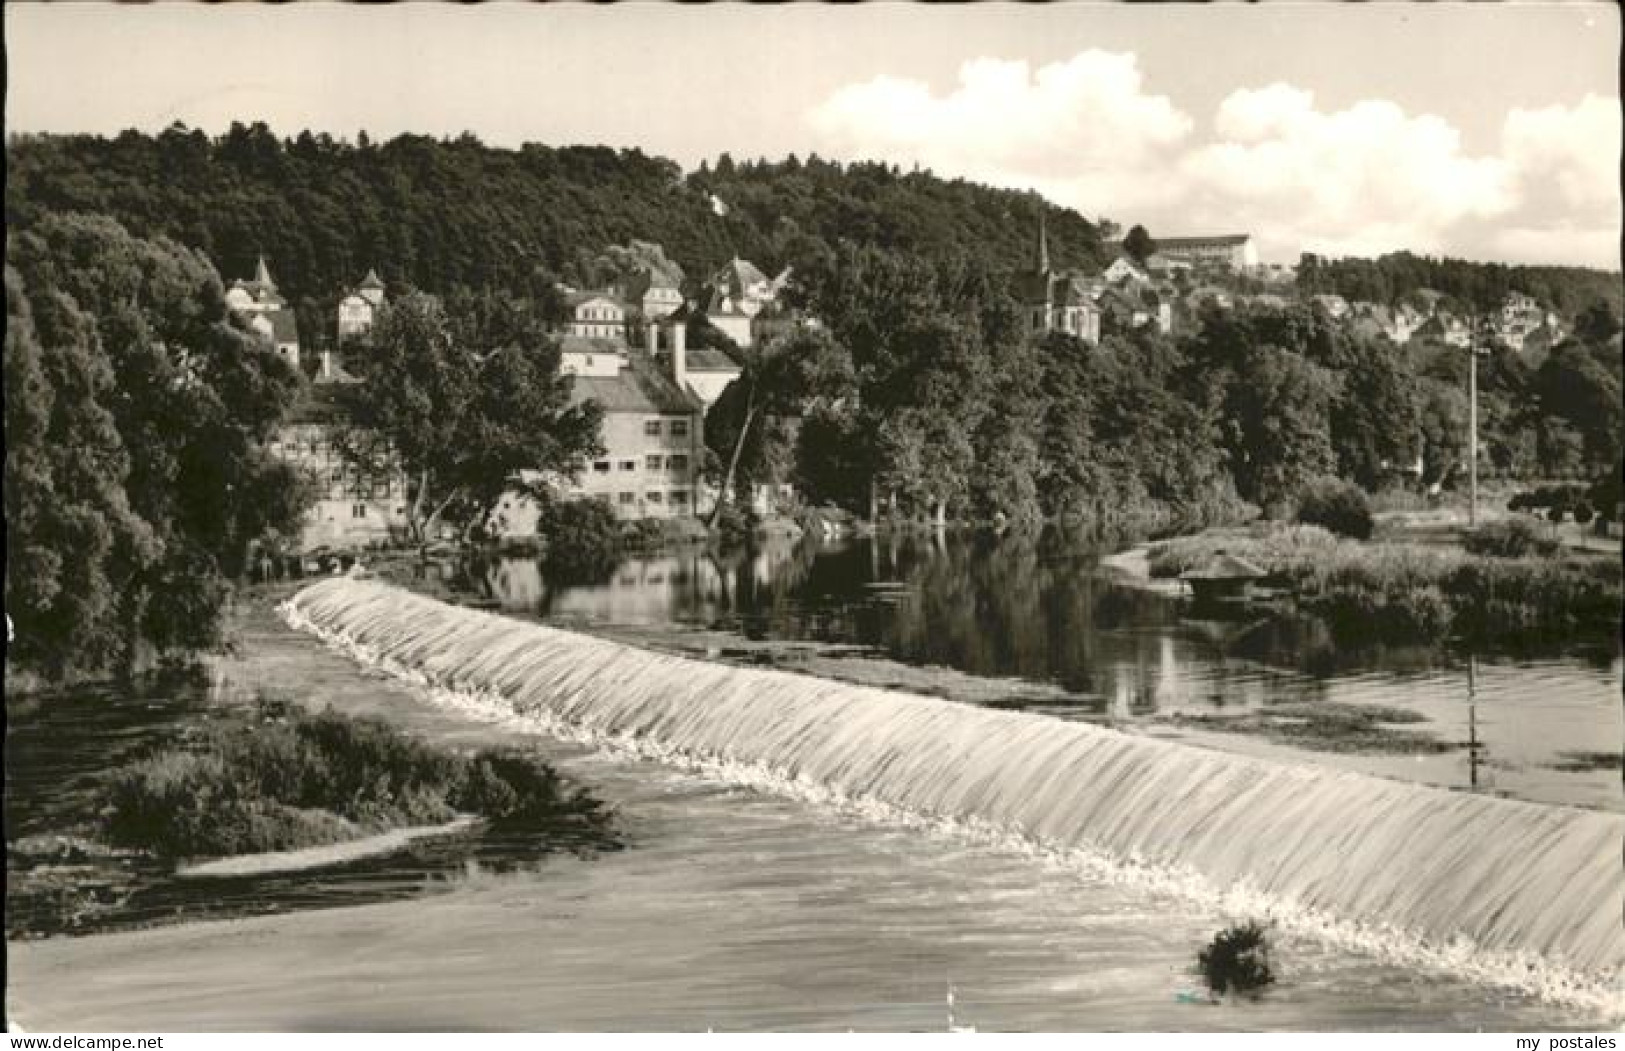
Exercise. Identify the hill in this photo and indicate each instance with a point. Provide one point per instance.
(436, 213)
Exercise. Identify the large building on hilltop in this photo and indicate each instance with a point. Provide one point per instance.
(1228, 251)
(1054, 301)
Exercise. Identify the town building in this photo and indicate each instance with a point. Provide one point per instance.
(1124, 270)
(354, 506)
(595, 314)
(266, 312)
(1053, 301)
(653, 433)
(734, 296)
(359, 308)
(652, 295)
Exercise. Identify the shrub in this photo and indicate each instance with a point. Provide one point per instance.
(642, 534)
(583, 540)
(736, 525)
(1237, 960)
(1512, 538)
(299, 780)
(1338, 506)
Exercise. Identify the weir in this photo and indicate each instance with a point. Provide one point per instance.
(1507, 876)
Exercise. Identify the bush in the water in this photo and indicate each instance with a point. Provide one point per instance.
(292, 779)
(1237, 961)
(1336, 505)
(583, 540)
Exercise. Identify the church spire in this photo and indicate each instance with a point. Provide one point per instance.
(1043, 246)
(262, 274)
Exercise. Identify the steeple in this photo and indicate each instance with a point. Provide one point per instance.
(262, 274)
(1043, 246)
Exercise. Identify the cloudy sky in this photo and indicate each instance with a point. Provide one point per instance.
(1490, 131)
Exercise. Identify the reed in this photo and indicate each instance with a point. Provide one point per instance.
(1394, 591)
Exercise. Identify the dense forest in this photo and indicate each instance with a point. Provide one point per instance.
(436, 214)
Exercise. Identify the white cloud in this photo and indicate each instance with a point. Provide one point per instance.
(1084, 129)
(1573, 149)
(1367, 178)
(1364, 179)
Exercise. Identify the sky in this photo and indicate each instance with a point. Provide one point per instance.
(1490, 131)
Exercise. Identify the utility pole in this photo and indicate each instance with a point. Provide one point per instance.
(1475, 335)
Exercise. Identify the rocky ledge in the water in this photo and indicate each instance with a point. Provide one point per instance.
(279, 861)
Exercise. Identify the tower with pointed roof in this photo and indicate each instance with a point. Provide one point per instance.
(358, 309)
(1056, 301)
(266, 312)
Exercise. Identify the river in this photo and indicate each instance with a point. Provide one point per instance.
(1544, 727)
(743, 901)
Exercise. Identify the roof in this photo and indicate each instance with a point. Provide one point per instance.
(708, 359)
(640, 387)
(738, 275)
(372, 280)
(1223, 566)
(575, 299)
(1215, 240)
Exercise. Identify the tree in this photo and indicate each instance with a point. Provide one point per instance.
(470, 405)
(1374, 419)
(778, 380)
(1275, 413)
(138, 414)
(1138, 244)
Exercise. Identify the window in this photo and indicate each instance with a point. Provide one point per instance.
(358, 511)
(627, 498)
(679, 428)
(653, 498)
(677, 463)
(600, 466)
(652, 462)
(651, 428)
(679, 497)
(338, 474)
(629, 465)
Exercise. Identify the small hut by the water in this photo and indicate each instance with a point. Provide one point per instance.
(1223, 578)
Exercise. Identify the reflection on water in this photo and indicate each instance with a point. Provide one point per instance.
(1037, 608)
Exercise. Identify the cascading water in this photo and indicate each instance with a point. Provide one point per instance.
(1535, 884)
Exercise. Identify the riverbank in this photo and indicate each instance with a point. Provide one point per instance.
(277, 761)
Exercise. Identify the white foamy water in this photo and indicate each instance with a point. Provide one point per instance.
(1502, 892)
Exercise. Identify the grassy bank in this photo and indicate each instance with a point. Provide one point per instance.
(1397, 590)
(291, 779)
